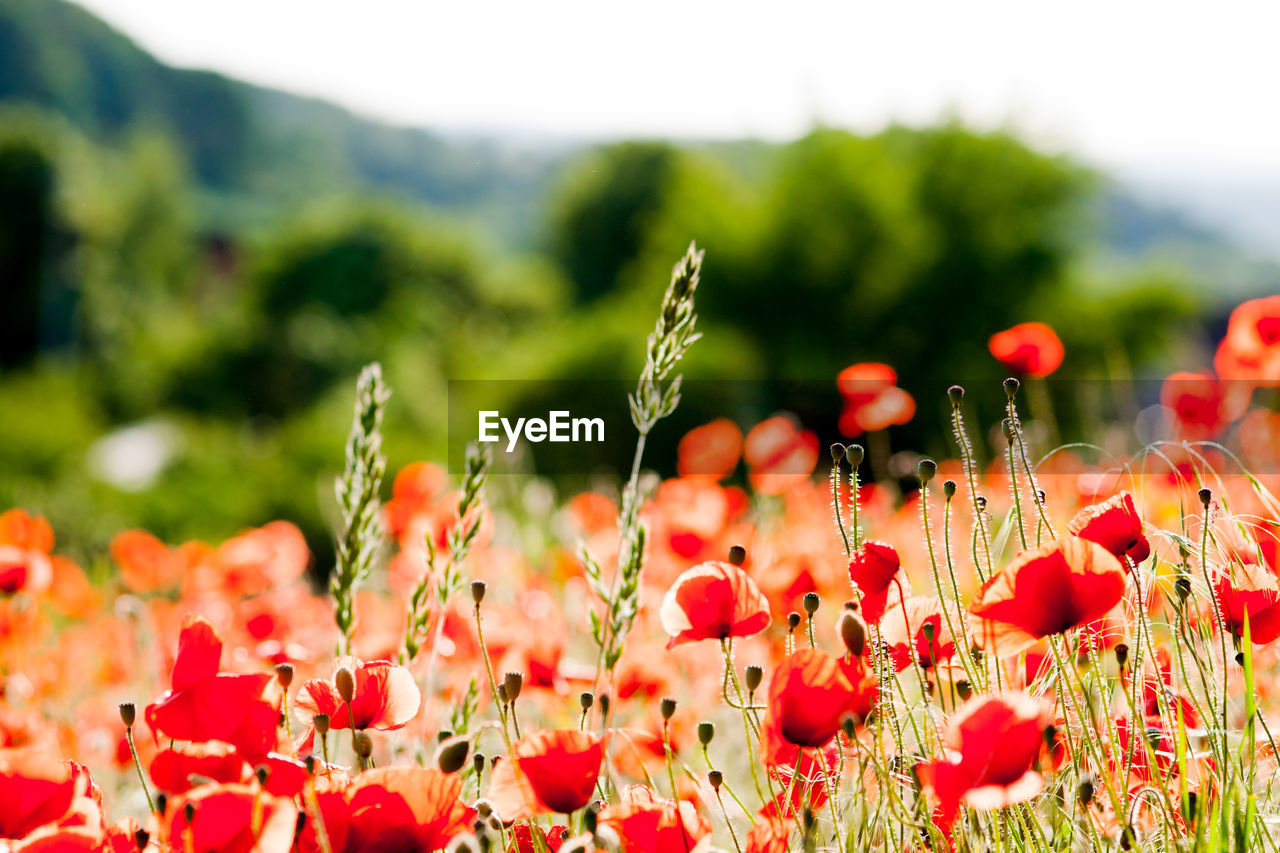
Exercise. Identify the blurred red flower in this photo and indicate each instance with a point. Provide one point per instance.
(872, 400)
(991, 748)
(1200, 405)
(146, 564)
(876, 573)
(809, 696)
(1030, 349)
(712, 450)
(713, 601)
(778, 452)
(1250, 351)
(206, 704)
(394, 809)
(1045, 591)
(546, 771)
(1114, 524)
(21, 529)
(769, 835)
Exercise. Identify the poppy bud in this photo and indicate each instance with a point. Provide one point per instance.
(811, 602)
(837, 451)
(321, 722)
(477, 592)
(262, 772)
(853, 632)
(451, 755)
(502, 693)
(810, 820)
(929, 687)
(926, 470)
(311, 765)
(949, 488)
(1011, 386)
(604, 705)
(484, 808)
(189, 812)
(1006, 429)
(753, 676)
(363, 744)
(955, 393)
(706, 731)
(586, 699)
(1084, 790)
(928, 629)
(854, 452)
(128, 713)
(1240, 658)
(1182, 586)
(284, 673)
(964, 689)
(513, 681)
(477, 763)
(345, 682)
(590, 818)
(848, 724)
(737, 555)
(162, 802)
(1122, 654)
(1206, 495)
(716, 778)
(142, 838)
(1127, 838)
(668, 707)
(793, 620)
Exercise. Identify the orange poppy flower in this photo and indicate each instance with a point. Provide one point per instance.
(1250, 351)
(872, 400)
(768, 836)
(230, 819)
(206, 704)
(809, 696)
(385, 698)
(992, 745)
(876, 572)
(547, 771)
(393, 809)
(21, 529)
(779, 452)
(711, 450)
(713, 600)
(146, 563)
(1030, 349)
(903, 630)
(649, 824)
(1114, 524)
(1065, 584)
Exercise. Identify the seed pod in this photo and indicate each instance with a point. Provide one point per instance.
(345, 682)
(949, 488)
(955, 394)
(586, 699)
(321, 722)
(753, 676)
(1122, 654)
(284, 673)
(706, 732)
(811, 602)
(477, 592)
(1206, 496)
(737, 555)
(853, 632)
(363, 744)
(667, 707)
(854, 453)
(926, 470)
(716, 778)
(513, 681)
(128, 713)
(837, 451)
(1011, 386)
(793, 620)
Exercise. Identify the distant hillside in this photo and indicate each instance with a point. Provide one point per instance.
(244, 141)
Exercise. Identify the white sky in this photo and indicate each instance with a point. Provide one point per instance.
(1154, 85)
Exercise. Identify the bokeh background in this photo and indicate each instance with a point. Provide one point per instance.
(212, 214)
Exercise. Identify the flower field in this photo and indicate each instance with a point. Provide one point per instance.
(1024, 648)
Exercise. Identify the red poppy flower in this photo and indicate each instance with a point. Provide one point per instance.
(230, 819)
(1066, 584)
(415, 489)
(778, 452)
(872, 400)
(1030, 349)
(35, 789)
(1200, 405)
(713, 600)
(711, 450)
(181, 768)
(523, 841)
(992, 745)
(809, 695)
(206, 704)
(394, 809)
(648, 824)
(769, 835)
(1114, 524)
(1249, 589)
(547, 771)
(1251, 349)
(876, 572)
(386, 698)
(806, 789)
(903, 629)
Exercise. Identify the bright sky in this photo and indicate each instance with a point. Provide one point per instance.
(1157, 85)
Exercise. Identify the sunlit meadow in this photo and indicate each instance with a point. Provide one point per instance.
(1031, 646)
